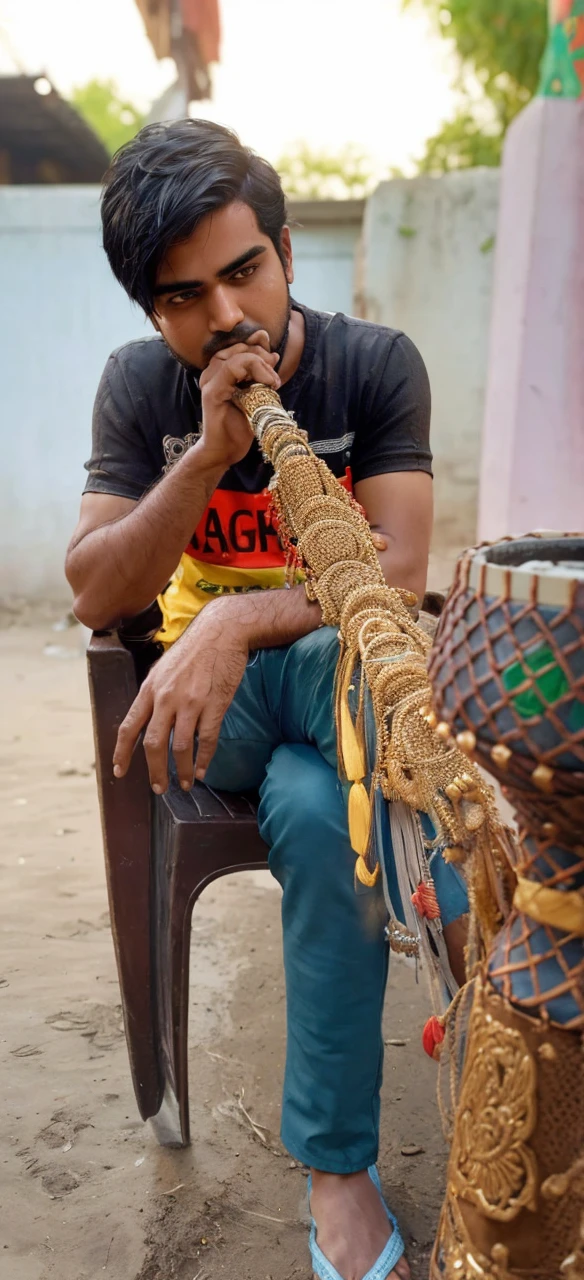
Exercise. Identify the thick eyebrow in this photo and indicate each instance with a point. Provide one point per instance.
(178, 285)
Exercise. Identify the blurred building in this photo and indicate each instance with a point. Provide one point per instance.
(189, 32)
(42, 138)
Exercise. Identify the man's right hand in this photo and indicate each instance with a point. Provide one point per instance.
(227, 436)
(150, 535)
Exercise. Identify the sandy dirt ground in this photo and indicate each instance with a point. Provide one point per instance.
(85, 1191)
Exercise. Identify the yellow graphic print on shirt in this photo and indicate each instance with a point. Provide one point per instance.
(234, 548)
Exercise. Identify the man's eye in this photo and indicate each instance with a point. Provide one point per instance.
(245, 271)
(188, 296)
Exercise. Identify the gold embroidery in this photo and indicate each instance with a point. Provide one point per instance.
(491, 1164)
(456, 1258)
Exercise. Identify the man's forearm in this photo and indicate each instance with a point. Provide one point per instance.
(119, 569)
(267, 619)
(279, 617)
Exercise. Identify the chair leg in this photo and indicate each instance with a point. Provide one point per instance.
(174, 895)
(182, 865)
(125, 810)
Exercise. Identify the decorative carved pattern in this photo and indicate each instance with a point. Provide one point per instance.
(492, 1165)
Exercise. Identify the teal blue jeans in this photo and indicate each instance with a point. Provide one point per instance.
(279, 735)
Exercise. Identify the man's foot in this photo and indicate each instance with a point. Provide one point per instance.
(351, 1223)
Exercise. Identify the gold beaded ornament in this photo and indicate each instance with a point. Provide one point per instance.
(418, 762)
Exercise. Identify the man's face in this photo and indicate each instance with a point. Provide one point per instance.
(221, 285)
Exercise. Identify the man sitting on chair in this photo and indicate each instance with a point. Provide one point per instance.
(176, 509)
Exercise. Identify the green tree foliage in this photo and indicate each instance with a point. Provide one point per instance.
(500, 44)
(322, 175)
(461, 143)
(112, 118)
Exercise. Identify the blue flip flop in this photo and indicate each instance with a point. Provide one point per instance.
(386, 1261)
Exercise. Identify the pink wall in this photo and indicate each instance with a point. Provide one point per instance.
(532, 473)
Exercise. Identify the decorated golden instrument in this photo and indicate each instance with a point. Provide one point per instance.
(515, 1195)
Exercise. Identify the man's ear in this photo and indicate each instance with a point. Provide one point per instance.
(286, 243)
(154, 321)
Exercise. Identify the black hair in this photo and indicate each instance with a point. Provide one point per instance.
(164, 181)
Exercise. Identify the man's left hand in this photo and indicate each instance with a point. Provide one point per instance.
(188, 691)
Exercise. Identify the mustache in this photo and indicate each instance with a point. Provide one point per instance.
(241, 333)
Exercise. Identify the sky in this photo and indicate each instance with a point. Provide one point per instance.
(328, 72)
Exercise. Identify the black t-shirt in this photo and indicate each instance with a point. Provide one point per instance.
(360, 391)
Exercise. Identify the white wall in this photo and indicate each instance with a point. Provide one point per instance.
(426, 266)
(61, 315)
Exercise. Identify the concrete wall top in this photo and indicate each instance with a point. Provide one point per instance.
(35, 208)
(49, 208)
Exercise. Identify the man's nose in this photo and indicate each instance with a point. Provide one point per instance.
(224, 310)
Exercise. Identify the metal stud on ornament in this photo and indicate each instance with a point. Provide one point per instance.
(466, 741)
(454, 854)
(543, 778)
(500, 1255)
(500, 755)
(473, 816)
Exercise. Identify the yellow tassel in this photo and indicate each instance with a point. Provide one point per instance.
(351, 748)
(363, 873)
(359, 818)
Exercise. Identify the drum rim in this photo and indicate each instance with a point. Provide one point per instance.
(499, 569)
(514, 552)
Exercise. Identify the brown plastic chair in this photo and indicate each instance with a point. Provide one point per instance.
(160, 853)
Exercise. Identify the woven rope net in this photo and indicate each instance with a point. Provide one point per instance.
(509, 660)
(528, 717)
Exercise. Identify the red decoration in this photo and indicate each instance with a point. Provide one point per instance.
(202, 18)
(432, 1037)
(425, 901)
